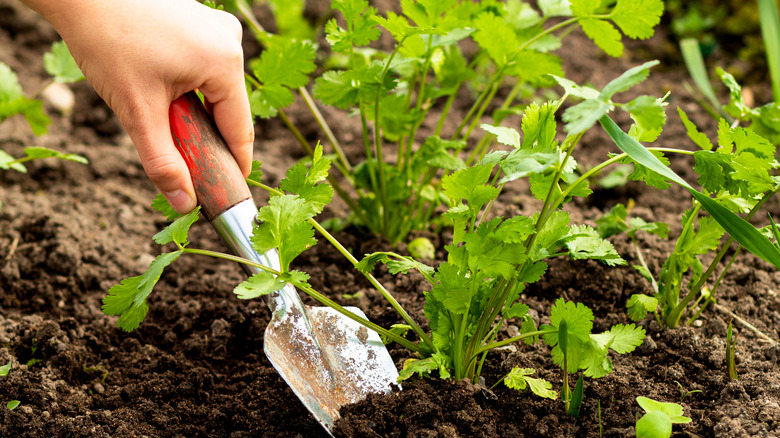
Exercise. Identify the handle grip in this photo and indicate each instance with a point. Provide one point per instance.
(219, 184)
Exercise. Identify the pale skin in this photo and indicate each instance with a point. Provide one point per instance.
(140, 55)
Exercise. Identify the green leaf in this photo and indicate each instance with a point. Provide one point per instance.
(286, 62)
(5, 369)
(694, 134)
(523, 162)
(654, 425)
(424, 367)
(584, 242)
(637, 18)
(469, 185)
(581, 91)
(128, 299)
(583, 8)
(361, 28)
(628, 79)
(177, 231)
(504, 135)
(535, 68)
(648, 175)
(623, 338)
(36, 152)
(576, 398)
(539, 126)
(7, 161)
(519, 379)
(256, 174)
(496, 38)
(649, 117)
(60, 64)
(555, 8)
(581, 117)
(283, 225)
(12, 404)
(452, 289)
(9, 85)
(639, 305)
(604, 34)
(258, 285)
(578, 322)
(305, 182)
(163, 207)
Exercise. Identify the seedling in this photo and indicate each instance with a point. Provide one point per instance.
(5, 369)
(731, 345)
(12, 404)
(684, 393)
(659, 418)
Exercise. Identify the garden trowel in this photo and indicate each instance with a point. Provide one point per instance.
(326, 358)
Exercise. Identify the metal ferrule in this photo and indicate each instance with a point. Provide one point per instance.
(235, 227)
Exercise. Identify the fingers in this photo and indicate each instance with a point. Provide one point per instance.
(151, 133)
(228, 102)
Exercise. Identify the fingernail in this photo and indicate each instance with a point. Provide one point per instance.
(180, 201)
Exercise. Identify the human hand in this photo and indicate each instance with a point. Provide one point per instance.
(141, 55)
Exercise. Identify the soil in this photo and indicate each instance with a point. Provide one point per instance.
(195, 366)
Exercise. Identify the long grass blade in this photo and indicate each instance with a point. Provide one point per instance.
(691, 53)
(770, 31)
(741, 230)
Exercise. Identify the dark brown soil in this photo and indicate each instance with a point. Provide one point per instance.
(195, 367)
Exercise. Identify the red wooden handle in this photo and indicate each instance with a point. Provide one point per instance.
(218, 181)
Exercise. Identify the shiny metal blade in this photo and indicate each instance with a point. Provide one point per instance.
(326, 358)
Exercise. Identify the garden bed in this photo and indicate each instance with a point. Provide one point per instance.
(195, 366)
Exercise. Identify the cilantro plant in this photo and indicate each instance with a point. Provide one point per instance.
(738, 174)
(395, 188)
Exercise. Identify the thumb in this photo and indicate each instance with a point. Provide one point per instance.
(161, 161)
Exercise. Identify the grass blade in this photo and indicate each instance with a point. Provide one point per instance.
(691, 53)
(742, 231)
(770, 31)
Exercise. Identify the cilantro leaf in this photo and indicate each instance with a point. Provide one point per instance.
(584, 242)
(305, 182)
(128, 299)
(469, 185)
(637, 18)
(519, 379)
(694, 134)
(628, 79)
(578, 322)
(361, 28)
(60, 64)
(604, 34)
(496, 38)
(283, 65)
(284, 225)
(649, 117)
(258, 285)
(163, 207)
(639, 305)
(178, 230)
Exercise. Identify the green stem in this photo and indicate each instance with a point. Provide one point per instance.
(328, 133)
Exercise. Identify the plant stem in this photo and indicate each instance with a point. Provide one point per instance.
(328, 133)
